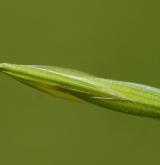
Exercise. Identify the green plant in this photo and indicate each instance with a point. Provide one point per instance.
(121, 96)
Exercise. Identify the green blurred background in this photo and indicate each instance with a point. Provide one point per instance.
(112, 39)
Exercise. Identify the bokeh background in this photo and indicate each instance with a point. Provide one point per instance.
(112, 39)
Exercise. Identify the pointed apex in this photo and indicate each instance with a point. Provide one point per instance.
(3, 65)
(6, 66)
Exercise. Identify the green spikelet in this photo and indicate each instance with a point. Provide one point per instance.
(70, 84)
